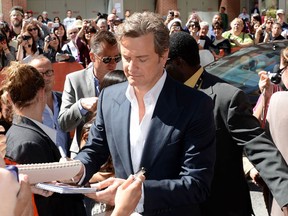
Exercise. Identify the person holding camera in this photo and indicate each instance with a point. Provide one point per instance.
(264, 31)
(7, 53)
(169, 17)
(53, 52)
(27, 47)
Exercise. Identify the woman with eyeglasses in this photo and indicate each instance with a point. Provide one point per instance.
(53, 52)
(220, 46)
(194, 28)
(27, 47)
(7, 52)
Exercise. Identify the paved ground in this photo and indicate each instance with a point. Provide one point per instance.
(257, 201)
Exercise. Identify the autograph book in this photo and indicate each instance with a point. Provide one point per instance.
(65, 188)
(47, 172)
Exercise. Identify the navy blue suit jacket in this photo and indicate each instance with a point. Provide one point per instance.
(179, 152)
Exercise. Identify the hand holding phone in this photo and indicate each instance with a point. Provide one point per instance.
(140, 172)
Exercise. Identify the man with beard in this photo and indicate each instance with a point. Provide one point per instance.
(16, 18)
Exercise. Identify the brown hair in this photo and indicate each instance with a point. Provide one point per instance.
(22, 82)
(140, 24)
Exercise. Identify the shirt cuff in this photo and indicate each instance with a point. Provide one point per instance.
(82, 110)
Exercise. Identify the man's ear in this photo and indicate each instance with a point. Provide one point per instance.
(92, 57)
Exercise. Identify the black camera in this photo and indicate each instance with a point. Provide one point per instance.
(275, 76)
(171, 13)
(26, 37)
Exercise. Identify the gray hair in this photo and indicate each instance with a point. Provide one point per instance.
(99, 38)
(140, 24)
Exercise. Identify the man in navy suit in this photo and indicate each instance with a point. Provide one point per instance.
(236, 129)
(152, 121)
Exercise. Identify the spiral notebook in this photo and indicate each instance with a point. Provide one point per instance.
(65, 188)
(47, 172)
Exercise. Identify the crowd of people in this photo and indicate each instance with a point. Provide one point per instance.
(221, 39)
(188, 129)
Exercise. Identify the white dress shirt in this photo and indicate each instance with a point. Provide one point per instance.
(139, 130)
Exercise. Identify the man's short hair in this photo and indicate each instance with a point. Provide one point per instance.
(183, 45)
(102, 37)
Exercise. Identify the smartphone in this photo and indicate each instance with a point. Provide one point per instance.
(55, 25)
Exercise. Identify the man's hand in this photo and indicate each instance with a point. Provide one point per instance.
(285, 210)
(89, 104)
(128, 195)
(107, 195)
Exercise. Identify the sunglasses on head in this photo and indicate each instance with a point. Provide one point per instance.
(108, 59)
(26, 37)
(32, 29)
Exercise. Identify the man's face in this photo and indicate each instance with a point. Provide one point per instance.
(45, 67)
(216, 18)
(100, 68)
(280, 17)
(142, 65)
(203, 31)
(276, 30)
(16, 19)
(69, 14)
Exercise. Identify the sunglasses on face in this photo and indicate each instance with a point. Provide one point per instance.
(26, 37)
(32, 29)
(47, 73)
(108, 59)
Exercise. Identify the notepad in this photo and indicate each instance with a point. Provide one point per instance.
(65, 188)
(47, 172)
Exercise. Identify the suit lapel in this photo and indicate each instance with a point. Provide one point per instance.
(121, 124)
(161, 124)
(89, 77)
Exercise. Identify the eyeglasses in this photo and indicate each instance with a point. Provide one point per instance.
(70, 33)
(108, 59)
(269, 22)
(47, 73)
(53, 38)
(32, 29)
